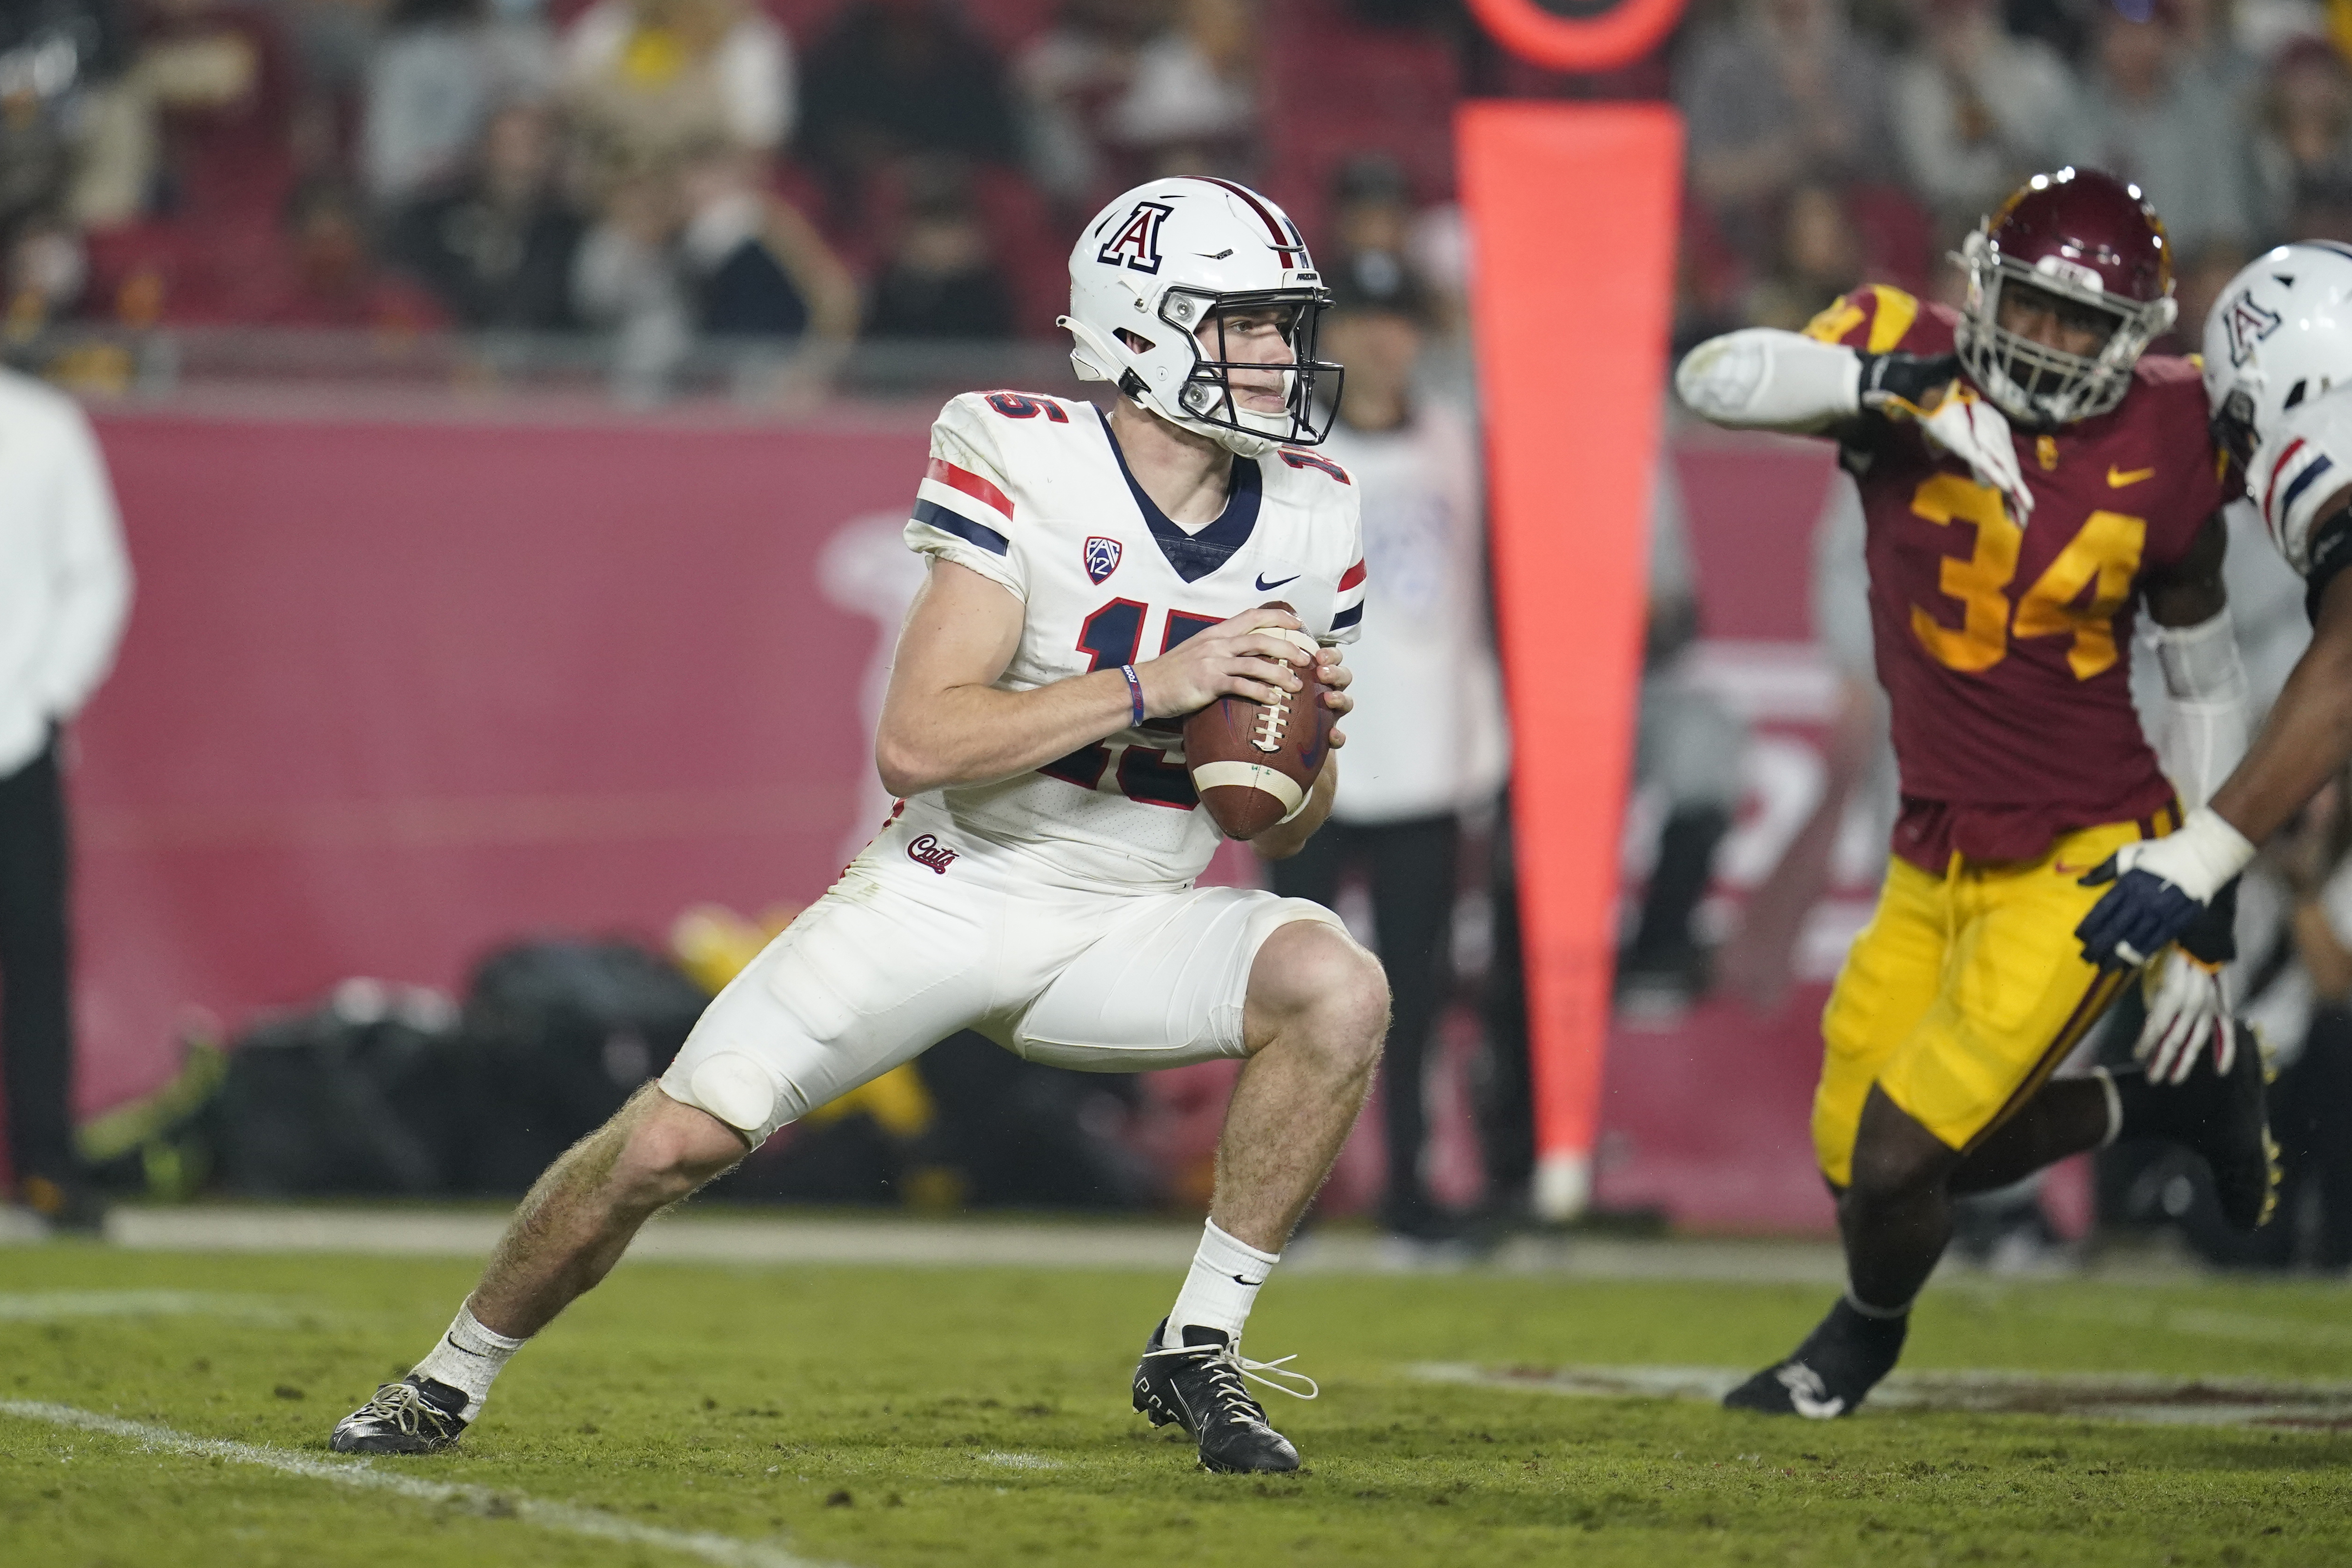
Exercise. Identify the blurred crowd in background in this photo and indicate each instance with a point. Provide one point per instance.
(812, 171)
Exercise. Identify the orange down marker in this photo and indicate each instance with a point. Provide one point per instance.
(1573, 214)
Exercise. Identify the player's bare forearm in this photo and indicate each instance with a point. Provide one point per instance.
(2307, 739)
(1284, 839)
(945, 723)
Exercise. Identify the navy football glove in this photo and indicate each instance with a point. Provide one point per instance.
(2161, 886)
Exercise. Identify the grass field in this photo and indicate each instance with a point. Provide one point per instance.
(881, 1415)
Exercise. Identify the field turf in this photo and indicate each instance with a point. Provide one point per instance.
(899, 1415)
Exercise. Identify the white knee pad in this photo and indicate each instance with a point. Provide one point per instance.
(732, 1087)
(1272, 916)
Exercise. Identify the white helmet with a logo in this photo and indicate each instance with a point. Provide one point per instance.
(2279, 335)
(1171, 256)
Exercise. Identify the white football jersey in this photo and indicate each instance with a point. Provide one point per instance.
(1032, 492)
(2305, 459)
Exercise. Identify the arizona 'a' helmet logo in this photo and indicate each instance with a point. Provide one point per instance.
(1137, 243)
(1102, 558)
(2249, 324)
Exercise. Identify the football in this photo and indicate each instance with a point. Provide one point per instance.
(1252, 762)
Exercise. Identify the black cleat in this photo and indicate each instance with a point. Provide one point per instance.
(415, 1415)
(1832, 1373)
(1199, 1387)
(2230, 1126)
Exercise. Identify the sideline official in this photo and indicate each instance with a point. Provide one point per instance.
(64, 590)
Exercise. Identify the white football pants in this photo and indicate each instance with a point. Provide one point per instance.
(920, 938)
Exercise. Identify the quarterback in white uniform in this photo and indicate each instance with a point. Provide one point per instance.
(2278, 379)
(1091, 578)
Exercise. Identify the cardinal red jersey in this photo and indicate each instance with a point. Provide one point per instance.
(2005, 650)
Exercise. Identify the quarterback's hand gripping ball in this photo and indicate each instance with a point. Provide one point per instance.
(1253, 764)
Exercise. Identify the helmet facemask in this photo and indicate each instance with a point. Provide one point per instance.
(1205, 400)
(2035, 383)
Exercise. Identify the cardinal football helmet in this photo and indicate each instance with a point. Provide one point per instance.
(2093, 244)
(1174, 255)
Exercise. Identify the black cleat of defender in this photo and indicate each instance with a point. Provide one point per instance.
(415, 1415)
(2230, 1126)
(1831, 1374)
(1199, 1387)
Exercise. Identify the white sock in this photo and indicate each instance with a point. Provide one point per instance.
(1221, 1287)
(468, 1357)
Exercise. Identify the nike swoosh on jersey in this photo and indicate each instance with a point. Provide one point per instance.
(2118, 477)
(1265, 587)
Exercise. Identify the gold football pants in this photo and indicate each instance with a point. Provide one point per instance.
(1963, 994)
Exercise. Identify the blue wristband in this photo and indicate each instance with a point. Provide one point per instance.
(1134, 689)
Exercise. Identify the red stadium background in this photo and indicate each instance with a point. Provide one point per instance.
(400, 690)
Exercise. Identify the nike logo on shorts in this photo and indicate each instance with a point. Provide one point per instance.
(2118, 477)
(1265, 587)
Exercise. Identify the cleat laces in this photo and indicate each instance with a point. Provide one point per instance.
(1226, 1367)
(404, 1406)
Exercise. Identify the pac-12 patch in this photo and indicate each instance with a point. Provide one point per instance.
(1102, 557)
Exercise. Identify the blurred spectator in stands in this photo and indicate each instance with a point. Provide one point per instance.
(217, 77)
(2145, 115)
(1428, 655)
(333, 43)
(1066, 78)
(2303, 143)
(1193, 106)
(758, 267)
(1818, 257)
(1784, 92)
(496, 248)
(1974, 111)
(941, 279)
(645, 81)
(698, 246)
(443, 68)
(895, 77)
(59, 65)
(2209, 46)
(329, 279)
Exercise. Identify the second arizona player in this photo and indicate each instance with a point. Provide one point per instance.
(2027, 475)
(1090, 578)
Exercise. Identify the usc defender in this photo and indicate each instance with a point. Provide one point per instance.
(2030, 478)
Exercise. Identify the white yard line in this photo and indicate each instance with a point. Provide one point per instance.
(709, 1234)
(57, 1306)
(2136, 1397)
(562, 1518)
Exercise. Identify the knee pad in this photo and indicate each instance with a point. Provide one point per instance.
(733, 1088)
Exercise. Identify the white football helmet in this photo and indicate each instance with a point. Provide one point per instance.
(1171, 256)
(2279, 335)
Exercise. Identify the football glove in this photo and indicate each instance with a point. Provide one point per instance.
(2161, 886)
(1902, 378)
(1962, 424)
(2188, 1012)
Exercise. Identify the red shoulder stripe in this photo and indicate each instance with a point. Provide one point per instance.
(1355, 574)
(970, 483)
